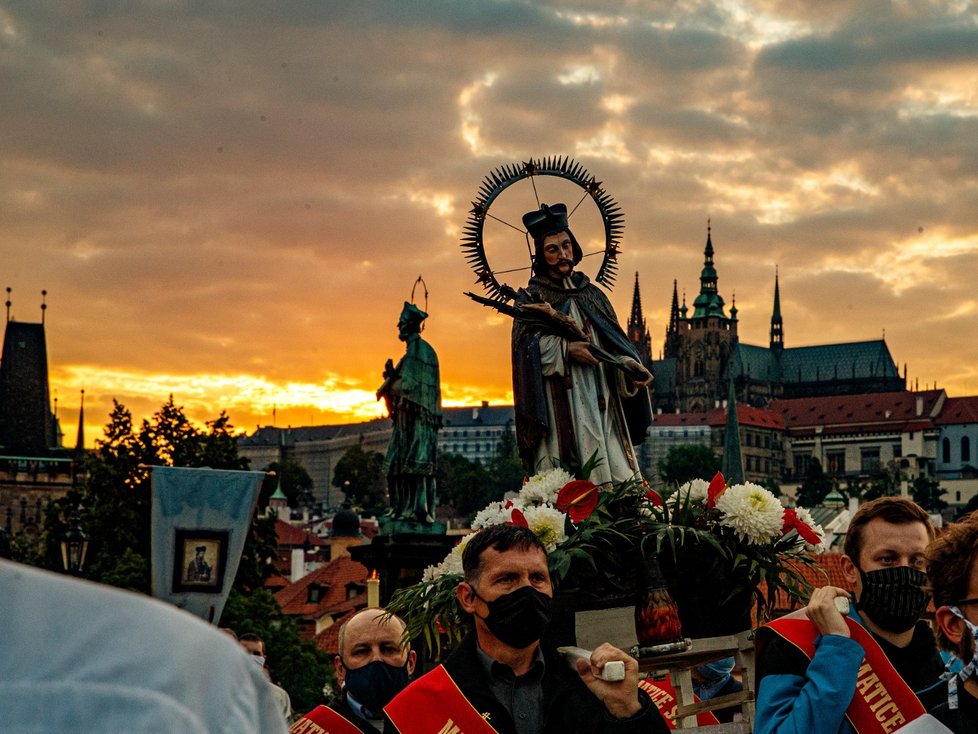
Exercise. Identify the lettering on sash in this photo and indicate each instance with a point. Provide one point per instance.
(871, 689)
(307, 726)
(450, 728)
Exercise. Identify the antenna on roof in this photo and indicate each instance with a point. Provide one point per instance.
(44, 305)
(8, 303)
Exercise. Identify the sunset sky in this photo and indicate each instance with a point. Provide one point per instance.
(231, 201)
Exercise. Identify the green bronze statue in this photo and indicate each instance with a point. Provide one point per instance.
(412, 392)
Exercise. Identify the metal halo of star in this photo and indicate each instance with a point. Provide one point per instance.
(500, 179)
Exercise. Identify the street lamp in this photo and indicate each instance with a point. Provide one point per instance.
(74, 546)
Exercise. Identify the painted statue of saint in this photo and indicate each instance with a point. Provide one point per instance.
(570, 406)
(412, 392)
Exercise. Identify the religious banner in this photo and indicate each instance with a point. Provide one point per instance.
(199, 521)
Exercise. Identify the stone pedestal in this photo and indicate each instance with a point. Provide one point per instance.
(401, 557)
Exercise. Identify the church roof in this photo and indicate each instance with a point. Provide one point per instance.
(958, 411)
(819, 363)
(664, 375)
(852, 360)
(747, 415)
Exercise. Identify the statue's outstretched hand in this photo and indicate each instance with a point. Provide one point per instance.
(581, 352)
(634, 369)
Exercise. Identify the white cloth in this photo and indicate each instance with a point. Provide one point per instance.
(81, 657)
(595, 431)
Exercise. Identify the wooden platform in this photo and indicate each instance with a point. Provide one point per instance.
(678, 667)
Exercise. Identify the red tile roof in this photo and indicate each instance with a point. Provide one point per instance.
(831, 564)
(958, 410)
(290, 535)
(334, 578)
(746, 416)
(848, 413)
(329, 639)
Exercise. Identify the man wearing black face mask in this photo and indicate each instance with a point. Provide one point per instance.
(373, 666)
(503, 678)
(873, 669)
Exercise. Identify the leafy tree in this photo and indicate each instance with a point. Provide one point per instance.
(814, 486)
(684, 463)
(505, 470)
(464, 484)
(360, 474)
(296, 664)
(970, 507)
(928, 493)
(295, 482)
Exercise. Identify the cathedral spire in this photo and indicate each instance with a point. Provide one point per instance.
(637, 331)
(80, 440)
(732, 464)
(777, 325)
(708, 302)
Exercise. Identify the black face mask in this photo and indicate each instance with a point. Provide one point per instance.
(375, 684)
(519, 618)
(893, 598)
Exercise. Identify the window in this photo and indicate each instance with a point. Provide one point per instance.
(869, 460)
(897, 451)
(835, 462)
(946, 450)
(965, 449)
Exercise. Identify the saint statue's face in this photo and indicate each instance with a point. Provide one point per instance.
(558, 251)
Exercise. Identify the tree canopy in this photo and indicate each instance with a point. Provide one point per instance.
(684, 463)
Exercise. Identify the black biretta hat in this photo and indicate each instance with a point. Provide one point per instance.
(546, 220)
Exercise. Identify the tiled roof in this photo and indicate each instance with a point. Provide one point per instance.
(756, 363)
(481, 415)
(664, 375)
(329, 639)
(290, 535)
(854, 360)
(896, 410)
(746, 416)
(958, 410)
(274, 436)
(334, 578)
(831, 564)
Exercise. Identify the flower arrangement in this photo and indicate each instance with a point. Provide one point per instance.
(732, 543)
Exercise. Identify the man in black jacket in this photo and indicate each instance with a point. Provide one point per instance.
(503, 678)
(373, 665)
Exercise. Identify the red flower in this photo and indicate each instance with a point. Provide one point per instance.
(791, 522)
(518, 518)
(578, 499)
(717, 486)
(654, 497)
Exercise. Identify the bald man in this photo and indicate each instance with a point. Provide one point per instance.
(373, 666)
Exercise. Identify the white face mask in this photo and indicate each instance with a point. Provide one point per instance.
(259, 660)
(969, 668)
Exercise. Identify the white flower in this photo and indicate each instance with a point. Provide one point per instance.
(752, 511)
(452, 563)
(542, 488)
(696, 489)
(547, 523)
(495, 513)
(806, 517)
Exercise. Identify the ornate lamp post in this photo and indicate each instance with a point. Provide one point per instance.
(74, 546)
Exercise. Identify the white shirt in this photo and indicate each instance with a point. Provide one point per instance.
(81, 657)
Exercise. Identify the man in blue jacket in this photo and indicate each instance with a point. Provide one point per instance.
(826, 669)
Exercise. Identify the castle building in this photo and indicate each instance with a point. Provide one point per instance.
(702, 352)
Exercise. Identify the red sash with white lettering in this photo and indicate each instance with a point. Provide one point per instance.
(433, 704)
(323, 720)
(883, 702)
(663, 695)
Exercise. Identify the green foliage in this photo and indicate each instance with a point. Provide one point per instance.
(815, 485)
(684, 463)
(360, 475)
(928, 493)
(464, 484)
(432, 612)
(970, 507)
(295, 482)
(296, 664)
